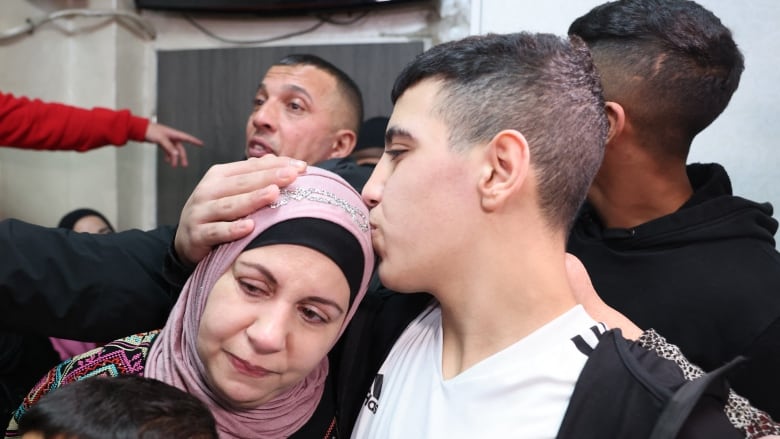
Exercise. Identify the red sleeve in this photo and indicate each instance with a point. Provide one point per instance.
(34, 124)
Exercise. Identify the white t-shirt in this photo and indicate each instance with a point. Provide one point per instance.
(522, 391)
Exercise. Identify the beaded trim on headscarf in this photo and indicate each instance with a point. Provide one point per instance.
(752, 421)
(321, 196)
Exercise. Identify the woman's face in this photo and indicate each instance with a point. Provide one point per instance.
(269, 320)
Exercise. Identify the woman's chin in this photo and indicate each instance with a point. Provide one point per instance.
(242, 396)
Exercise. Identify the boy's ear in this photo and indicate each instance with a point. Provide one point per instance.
(506, 166)
(343, 145)
(617, 119)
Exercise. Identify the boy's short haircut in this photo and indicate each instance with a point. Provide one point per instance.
(544, 86)
(120, 407)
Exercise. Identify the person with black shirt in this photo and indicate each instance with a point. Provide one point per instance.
(668, 244)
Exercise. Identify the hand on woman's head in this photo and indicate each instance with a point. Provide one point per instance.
(225, 194)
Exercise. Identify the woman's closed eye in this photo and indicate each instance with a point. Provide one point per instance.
(313, 315)
(254, 288)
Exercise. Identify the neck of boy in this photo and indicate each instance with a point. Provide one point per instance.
(638, 187)
(501, 299)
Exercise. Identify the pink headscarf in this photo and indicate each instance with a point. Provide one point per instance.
(173, 357)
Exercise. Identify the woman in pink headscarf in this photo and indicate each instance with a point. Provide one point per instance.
(250, 333)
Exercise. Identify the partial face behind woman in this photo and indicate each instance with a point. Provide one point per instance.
(269, 321)
(86, 221)
(92, 224)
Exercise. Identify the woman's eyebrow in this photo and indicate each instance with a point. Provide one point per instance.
(261, 269)
(272, 280)
(323, 301)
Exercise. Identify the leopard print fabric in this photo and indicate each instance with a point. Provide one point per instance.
(752, 421)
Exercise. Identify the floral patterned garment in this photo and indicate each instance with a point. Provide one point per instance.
(126, 356)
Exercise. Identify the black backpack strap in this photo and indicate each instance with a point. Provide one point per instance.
(582, 345)
(624, 389)
(608, 387)
(679, 408)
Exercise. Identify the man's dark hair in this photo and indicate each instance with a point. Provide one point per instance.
(126, 407)
(541, 85)
(346, 86)
(671, 64)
